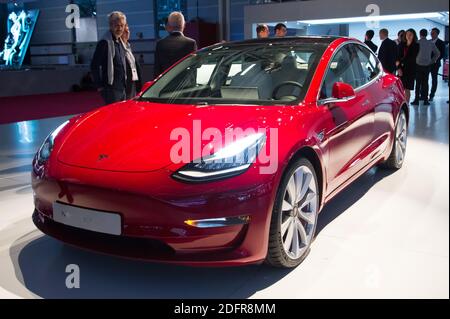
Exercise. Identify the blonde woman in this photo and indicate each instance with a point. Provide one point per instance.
(134, 78)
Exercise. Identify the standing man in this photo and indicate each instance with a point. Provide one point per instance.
(262, 31)
(108, 65)
(368, 41)
(435, 67)
(388, 52)
(175, 46)
(428, 55)
(280, 30)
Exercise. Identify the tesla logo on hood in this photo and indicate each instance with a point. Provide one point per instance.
(101, 157)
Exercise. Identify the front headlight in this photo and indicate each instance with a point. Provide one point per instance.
(46, 148)
(232, 160)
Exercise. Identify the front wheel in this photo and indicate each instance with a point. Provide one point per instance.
(397, 156)
(294, 216)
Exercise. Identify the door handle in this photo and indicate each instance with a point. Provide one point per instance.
(365, 103)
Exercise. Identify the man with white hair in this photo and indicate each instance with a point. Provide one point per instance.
(173, 47)
(108, 65)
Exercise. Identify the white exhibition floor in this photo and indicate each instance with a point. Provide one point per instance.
(386, 236)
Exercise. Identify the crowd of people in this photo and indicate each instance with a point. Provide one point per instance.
(412, 58)
(263, 31)
(117, 74)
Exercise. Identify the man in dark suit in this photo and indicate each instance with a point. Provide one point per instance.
(173, 47)
(262, 31)
(368, 41)
(280, 30)
(436, 66)
(388, 52)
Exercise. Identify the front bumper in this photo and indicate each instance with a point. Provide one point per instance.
(155, 229)
(138, 248)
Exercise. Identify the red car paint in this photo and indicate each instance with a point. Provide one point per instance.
(344, 139)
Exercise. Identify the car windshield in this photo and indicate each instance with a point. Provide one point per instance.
(260, 74)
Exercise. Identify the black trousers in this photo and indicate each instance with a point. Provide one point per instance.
(422, 76)
(131, 90)
(434, 78)
(111, 95)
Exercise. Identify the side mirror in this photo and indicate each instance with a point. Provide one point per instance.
(343, 91)
(145, 87)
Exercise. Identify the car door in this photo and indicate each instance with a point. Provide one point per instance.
(351, 123)
(381, 99)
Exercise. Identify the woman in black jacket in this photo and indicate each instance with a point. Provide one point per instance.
(407, 65)
(134, 74)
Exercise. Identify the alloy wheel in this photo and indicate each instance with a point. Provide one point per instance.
(299, 212)
(401, 137)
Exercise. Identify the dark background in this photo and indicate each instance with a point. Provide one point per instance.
(3, 16)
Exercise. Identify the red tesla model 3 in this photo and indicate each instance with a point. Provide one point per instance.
(225, 159)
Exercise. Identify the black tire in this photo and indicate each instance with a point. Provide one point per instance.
(393, 161)
(276, 254)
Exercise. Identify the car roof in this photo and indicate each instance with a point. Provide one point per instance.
(284, 40)
(295, 40)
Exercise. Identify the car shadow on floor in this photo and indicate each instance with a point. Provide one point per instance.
(40, 265)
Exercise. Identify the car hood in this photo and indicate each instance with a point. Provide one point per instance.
(135, 136)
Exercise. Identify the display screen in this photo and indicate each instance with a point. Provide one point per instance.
(163, 9)
(20, 26)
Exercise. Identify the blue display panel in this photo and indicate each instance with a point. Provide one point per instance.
(163, 9)
(20, 26)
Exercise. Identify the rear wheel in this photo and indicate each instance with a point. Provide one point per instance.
(397, 156)
(294, 216)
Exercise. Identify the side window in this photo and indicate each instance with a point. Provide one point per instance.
(204, 73)
(343, 68)
(369, 64)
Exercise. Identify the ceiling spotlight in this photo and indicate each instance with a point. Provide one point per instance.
(375, 18)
